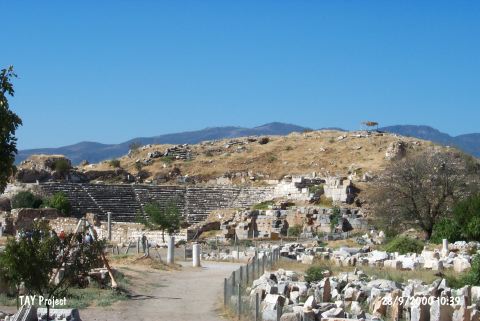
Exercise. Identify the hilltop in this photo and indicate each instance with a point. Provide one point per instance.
(96, 152)
(326, 152)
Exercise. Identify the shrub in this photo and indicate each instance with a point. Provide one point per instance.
(262, 205)
(138, 166)
(335, 217)
(60, 202)
(325, 201)
(264, 140)
(271, 158)
(314, 273)
(168, 159)
(114, 163)
(446, 229)
(404, 245)
(26, 199)
(288, 148)
(209, 153)
(467, 215)
(134, 146)
(315, 189)
(473, 276)
(295, 230)
(62, 166)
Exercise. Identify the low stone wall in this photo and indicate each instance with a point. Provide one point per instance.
(122, 233)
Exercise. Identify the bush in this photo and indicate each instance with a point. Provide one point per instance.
(264, 140)
(62, 166)
(168, 159)
(271, 158)
(314, 273)
(26, 199)
(262, 205)
(473, 276)
(467, 215)
(295, 230)
(60, 202)
(114, 163)
(325, 201)
(335, 217)
(404, 245)
(446, 229)
(316, 189)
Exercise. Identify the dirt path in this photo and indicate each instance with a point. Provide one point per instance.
(189, 294)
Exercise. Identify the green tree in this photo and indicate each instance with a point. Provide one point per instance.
(420, 190)
(466, 214)
(165, 218)
(60, 202)
(46, 254)
(26, 199)
(62, 166)
(9, 122)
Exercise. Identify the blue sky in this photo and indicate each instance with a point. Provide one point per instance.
(108, 71)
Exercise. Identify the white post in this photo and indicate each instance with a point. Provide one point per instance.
(109, 222)
(171, 250)
(445, 247)
(196, 255)
(1, 231)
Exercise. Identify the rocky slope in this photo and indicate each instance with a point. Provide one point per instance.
(254, 159)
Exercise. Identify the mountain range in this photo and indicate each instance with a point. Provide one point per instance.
(95, 152)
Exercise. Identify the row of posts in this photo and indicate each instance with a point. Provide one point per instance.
(257, 268)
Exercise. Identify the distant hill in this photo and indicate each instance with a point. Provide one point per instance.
(469, 143)
(96, 152)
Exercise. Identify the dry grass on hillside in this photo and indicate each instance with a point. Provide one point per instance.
(332, 152)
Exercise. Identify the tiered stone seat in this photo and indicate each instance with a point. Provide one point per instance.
(79, 199)
(161, 195)
(126, 202)
(120, 200)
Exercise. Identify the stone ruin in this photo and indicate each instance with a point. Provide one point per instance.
(455, 257)
(274, 223)
(339, 189)
(355, 295)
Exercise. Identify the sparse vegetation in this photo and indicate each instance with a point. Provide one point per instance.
(263, 205)
(168, 159)
(114, 163)
(271, 158)
(135, 146)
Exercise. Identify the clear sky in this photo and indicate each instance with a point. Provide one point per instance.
(109, 71)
